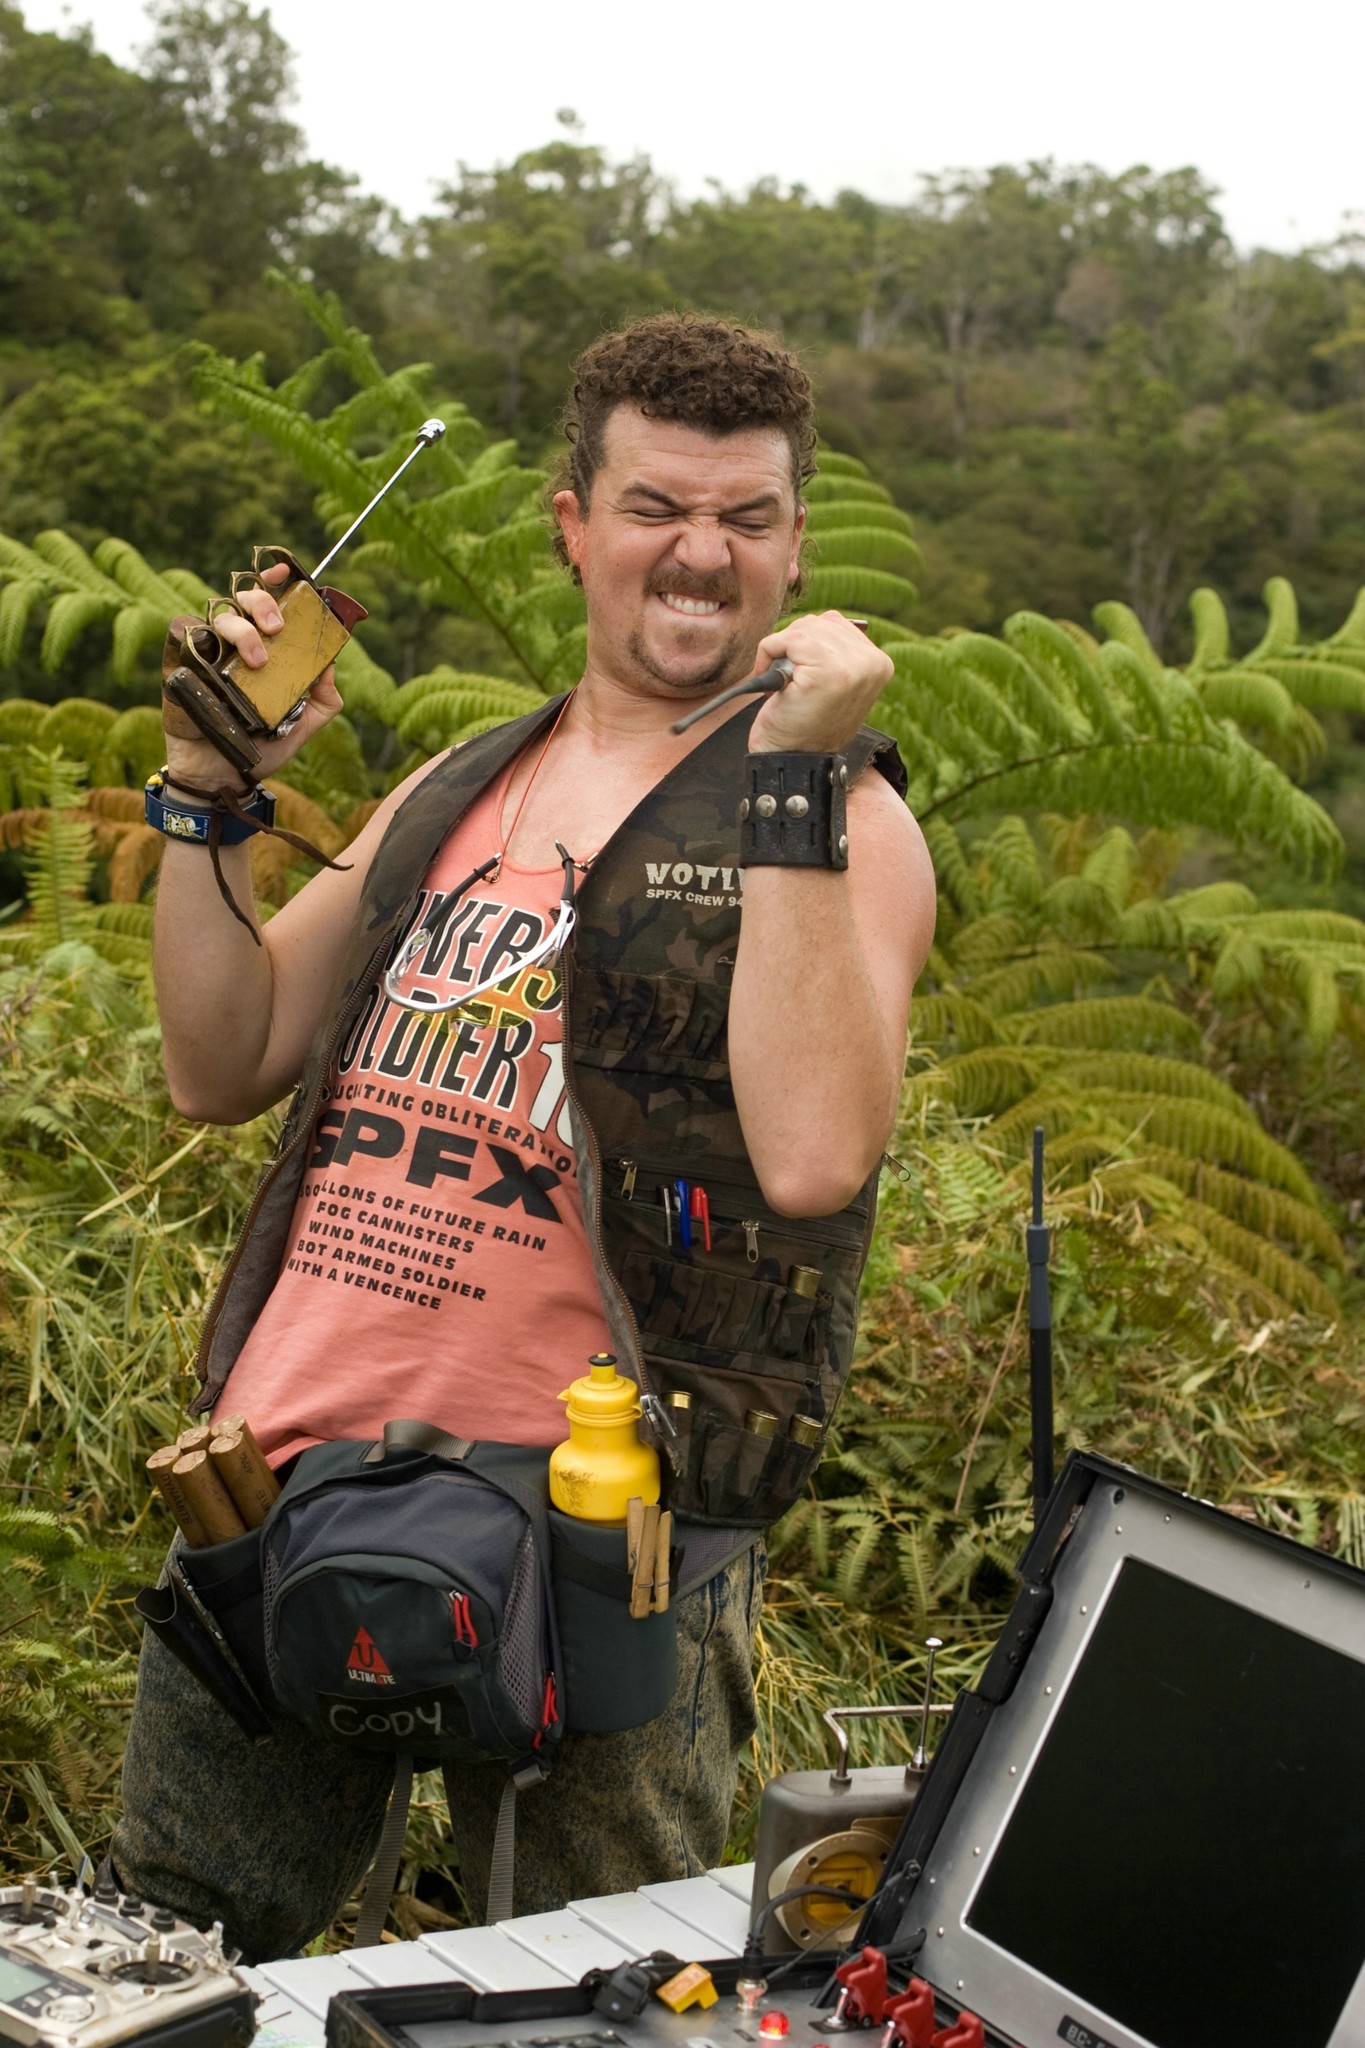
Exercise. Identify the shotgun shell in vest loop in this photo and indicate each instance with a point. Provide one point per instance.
(759, 1423)
(208, 1496)
(197, 1438)
(804, 1429)
(187, 1521)
(603, 1465)
(254, 1488)
(677, 1397)
(804, 1280)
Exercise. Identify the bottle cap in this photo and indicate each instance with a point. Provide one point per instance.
(603, 1394)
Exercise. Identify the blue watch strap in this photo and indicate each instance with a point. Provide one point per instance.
(192, 822)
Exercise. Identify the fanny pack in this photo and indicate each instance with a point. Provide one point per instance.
(404, 1598)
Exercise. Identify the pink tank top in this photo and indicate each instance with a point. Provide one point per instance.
(437, 1265)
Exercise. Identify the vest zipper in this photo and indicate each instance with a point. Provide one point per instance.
(649, 1393)
(273, 1168)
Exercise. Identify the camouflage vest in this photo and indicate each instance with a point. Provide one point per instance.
(762, 1325)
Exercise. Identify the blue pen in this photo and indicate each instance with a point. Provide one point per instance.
(684, 1195)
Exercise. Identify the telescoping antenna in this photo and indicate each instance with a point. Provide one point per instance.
(428, 434)
(1038, 1241)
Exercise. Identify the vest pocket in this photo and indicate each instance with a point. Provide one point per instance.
(736, 1476)
(718, 1310)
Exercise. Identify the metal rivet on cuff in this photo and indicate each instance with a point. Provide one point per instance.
(843, 846)
(797, 807)
(743, 809)
(843, 775)
(766, 806)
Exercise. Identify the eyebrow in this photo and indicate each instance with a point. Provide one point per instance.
(764, 503)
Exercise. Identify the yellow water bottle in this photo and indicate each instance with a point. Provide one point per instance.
(603, 1464)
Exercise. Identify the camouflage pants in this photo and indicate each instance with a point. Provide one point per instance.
(273, 1840)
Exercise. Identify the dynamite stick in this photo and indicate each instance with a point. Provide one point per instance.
(229, 1425)
(254, 1488)
(208, 1497)
(196, 1438)
(159, 1468)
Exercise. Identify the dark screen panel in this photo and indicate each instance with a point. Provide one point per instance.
(1189, 1851)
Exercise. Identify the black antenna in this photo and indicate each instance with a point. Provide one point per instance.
(1038, 1239)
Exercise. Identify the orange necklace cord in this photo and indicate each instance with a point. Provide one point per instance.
(433, 923)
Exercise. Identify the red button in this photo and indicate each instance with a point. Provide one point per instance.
(774, 2026)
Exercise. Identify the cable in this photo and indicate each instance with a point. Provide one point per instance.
(753, 1946)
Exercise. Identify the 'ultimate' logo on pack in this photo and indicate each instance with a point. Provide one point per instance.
(366, 1660)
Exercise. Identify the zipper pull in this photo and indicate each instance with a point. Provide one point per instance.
(750, 1230)
(655, 1413)
(628, 1173)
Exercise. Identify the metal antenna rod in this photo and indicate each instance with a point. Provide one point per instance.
(775, 678)
(1038, 1240)
(428, 434)
(933, 1644)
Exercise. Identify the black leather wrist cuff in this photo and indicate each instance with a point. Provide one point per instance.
(793, 812)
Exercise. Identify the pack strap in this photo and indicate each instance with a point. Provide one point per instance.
(404, 1435)
(374, 1910)
(502, 1867)
(605, 1578)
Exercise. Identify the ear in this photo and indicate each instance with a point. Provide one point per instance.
(573, 521)
(794, 559)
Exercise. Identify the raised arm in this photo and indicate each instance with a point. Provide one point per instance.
(827, 958)
(238, 1016)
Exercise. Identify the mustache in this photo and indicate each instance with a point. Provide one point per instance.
(720, 587)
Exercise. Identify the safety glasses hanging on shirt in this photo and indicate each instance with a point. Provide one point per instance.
(433, 925)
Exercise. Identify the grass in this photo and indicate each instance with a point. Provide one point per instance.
(115, 1220)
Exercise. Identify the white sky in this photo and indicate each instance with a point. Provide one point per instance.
(865, 93)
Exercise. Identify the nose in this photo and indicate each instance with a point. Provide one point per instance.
(702, 547)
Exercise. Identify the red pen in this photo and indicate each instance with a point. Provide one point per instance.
(701, 1213)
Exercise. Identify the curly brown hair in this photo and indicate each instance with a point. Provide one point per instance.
(712, 374)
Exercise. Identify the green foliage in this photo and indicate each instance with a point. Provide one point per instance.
(1081, 391)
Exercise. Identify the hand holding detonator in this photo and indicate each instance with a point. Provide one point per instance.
(222, 685)
(837, 675)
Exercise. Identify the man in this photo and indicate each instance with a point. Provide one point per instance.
(761, 1056)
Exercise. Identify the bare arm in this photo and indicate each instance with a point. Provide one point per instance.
(828, 959)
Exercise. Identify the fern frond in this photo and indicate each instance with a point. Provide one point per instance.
(1198, 1129)
(1212, 639)
(1105, 1023)
(836, 488)
(1269, 1211)
(134, 861)
(833, 516)
(1122, 624)
(933, 1018)
(1282, 619)
(1325, 685)
(1252, 696)
(1252, 1254)
(869, 547)
(68, 616)
(976, 1083)
(846, 588)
